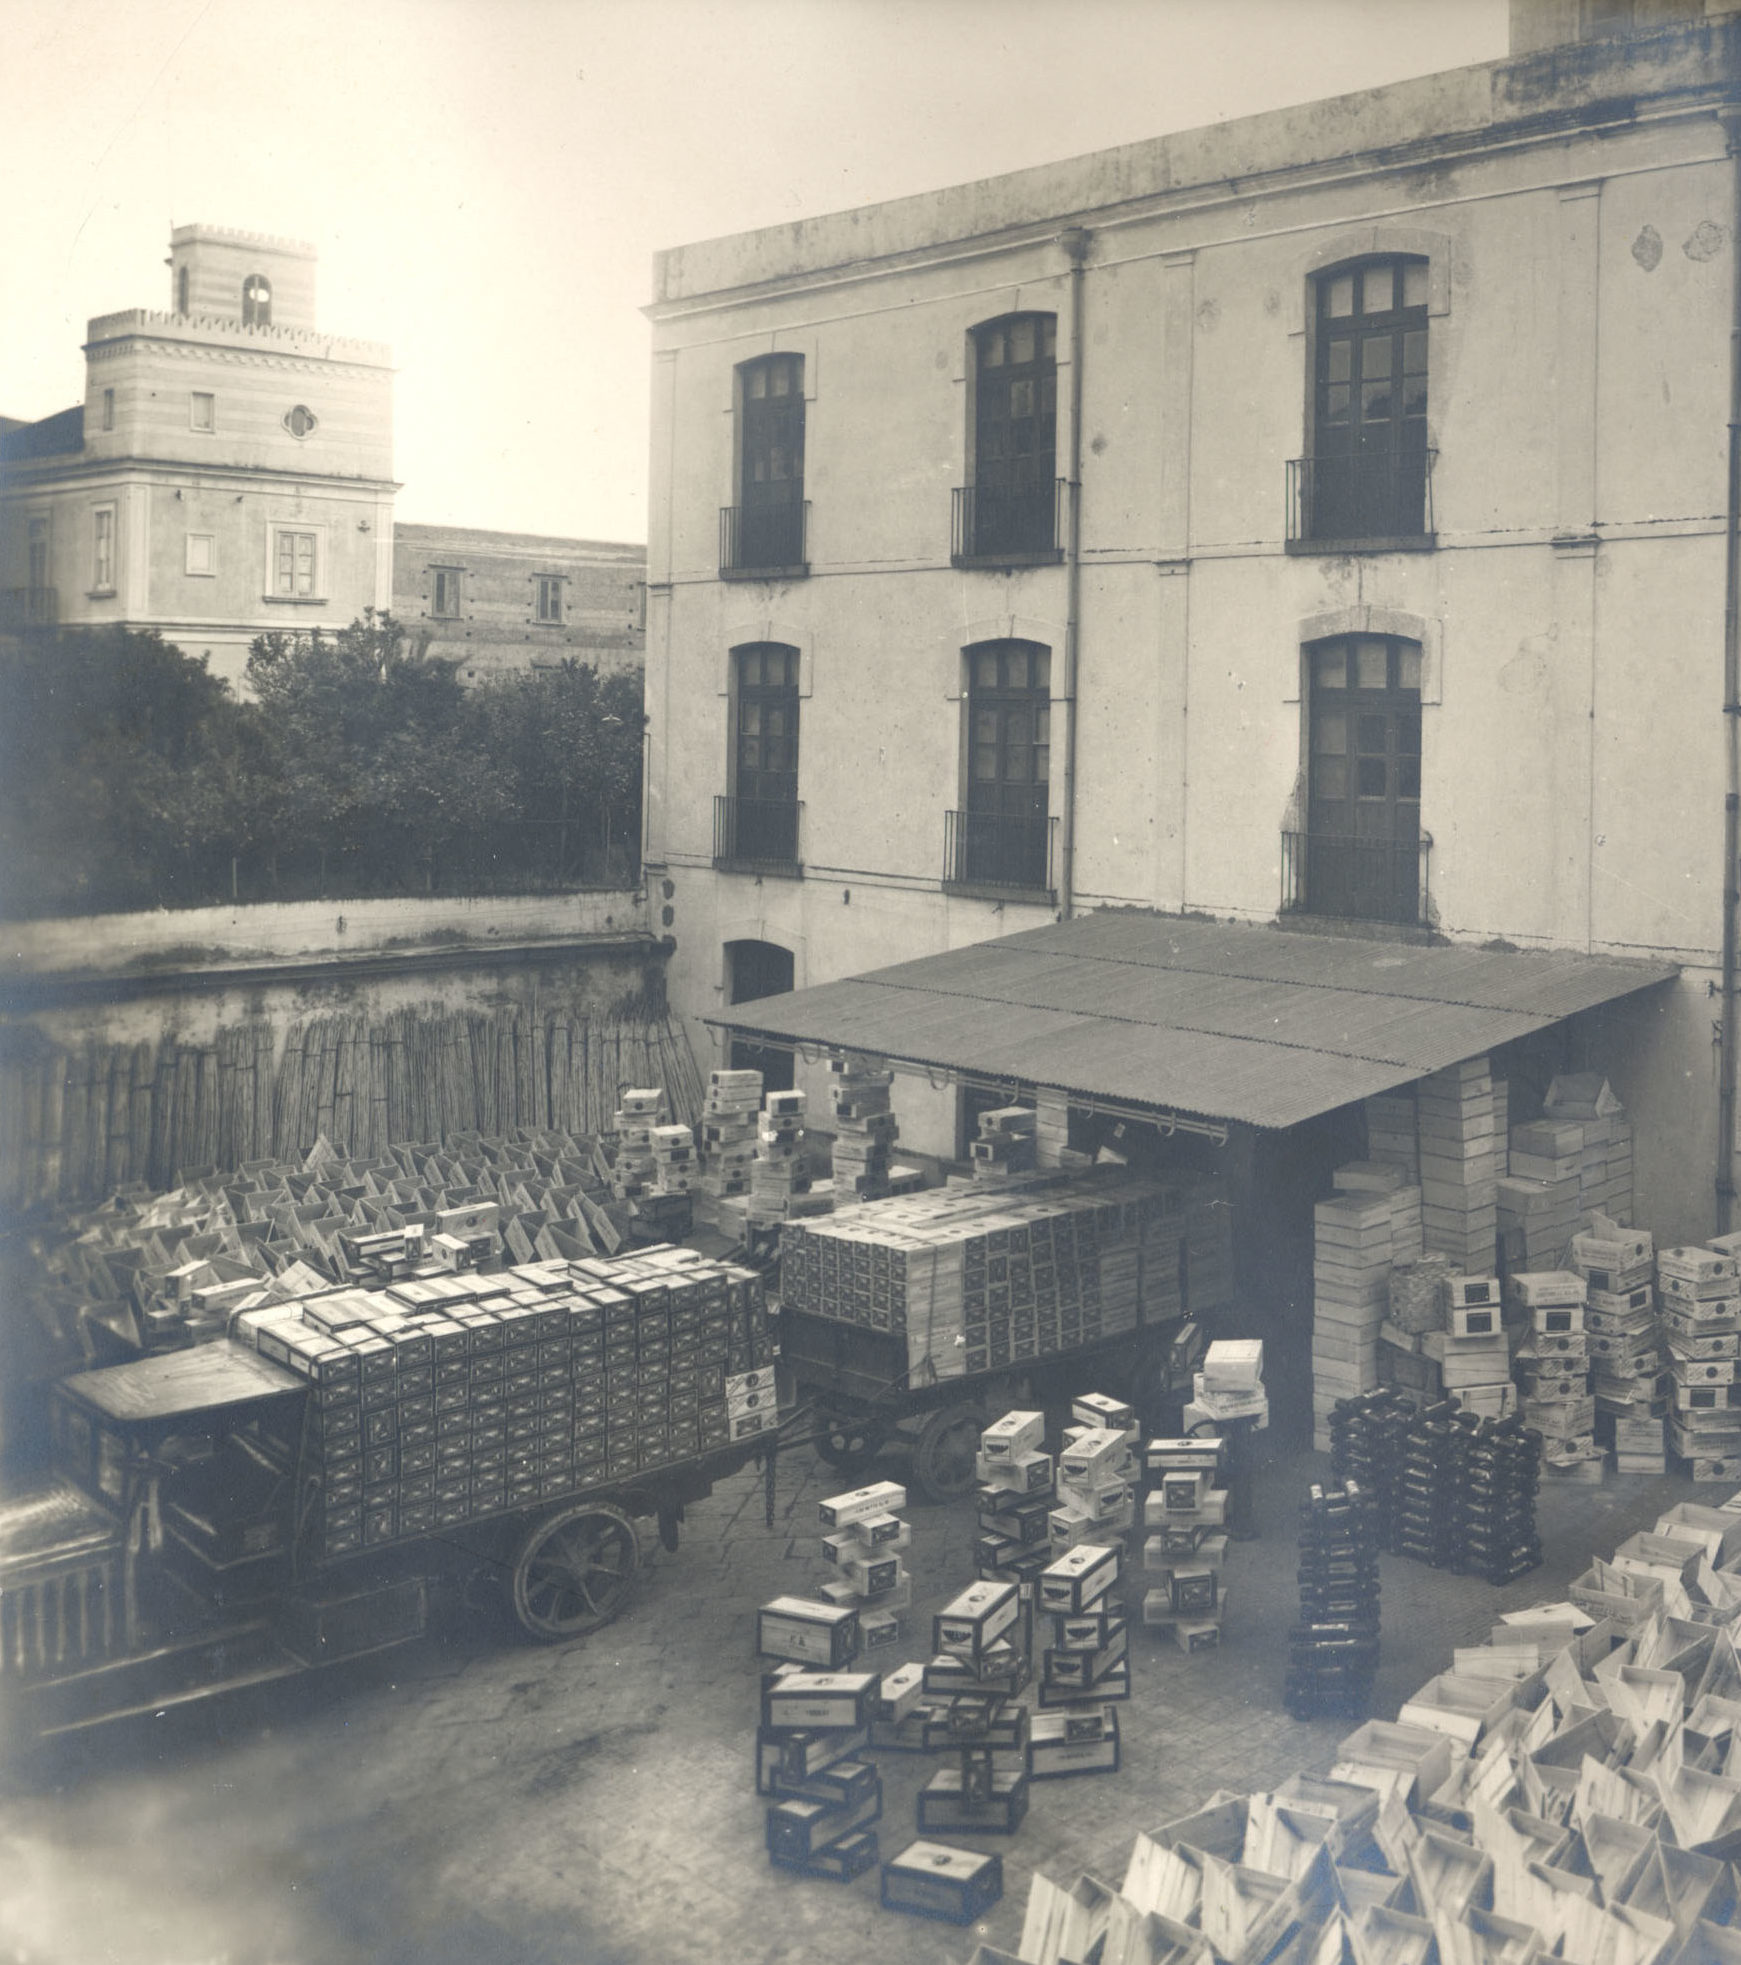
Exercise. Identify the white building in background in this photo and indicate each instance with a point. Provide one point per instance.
(228, 473)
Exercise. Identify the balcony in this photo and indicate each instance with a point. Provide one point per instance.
(29, 607)
(1375, 502)
(757, 835)
(1008, 528)
(1356, 879)
(764, 542)
(998, 857)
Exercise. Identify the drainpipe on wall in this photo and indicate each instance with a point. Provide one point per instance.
(1727, 1032)
(1075, 244)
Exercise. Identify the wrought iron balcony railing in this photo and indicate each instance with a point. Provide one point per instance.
(1355, 879)
(1380, 496)
(757, 835)
(996, 526)
(990, 849)
(763, 541)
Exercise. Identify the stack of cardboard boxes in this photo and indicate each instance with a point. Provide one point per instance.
(1084, 1640)
(1006, 1143)
(673, 1149)
(1017, 1494)
(1623, 1340)
(1390, 1133)
(865, 1127)
(1539, 1194)
(1461, 1153)
(728, 1133)
(1699, 1294)
(1229, 1389)
(864, 1548)
(1553, 1369)
(1097, 1474)
(824, 1800)
(1372, 1224)
(780, 1188)
(1472, 1352)
(1623, 1336)
(639, 1110)
(978, 1668)
(1585, 1099)
(1185, 1541)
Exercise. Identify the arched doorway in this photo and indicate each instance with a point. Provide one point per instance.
(754, 970)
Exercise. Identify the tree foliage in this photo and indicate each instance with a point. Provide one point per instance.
(130, 776)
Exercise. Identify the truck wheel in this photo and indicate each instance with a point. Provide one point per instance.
(943, 1454)
(573, 1571)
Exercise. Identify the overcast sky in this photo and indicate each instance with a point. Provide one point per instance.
(486, 180)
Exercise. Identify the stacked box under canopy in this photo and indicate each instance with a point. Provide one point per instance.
(1461, 1157)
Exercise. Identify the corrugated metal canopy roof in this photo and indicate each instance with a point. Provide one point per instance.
(1227, 1022)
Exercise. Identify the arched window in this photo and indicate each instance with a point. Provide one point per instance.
(256, 301)
(1363, 813)
(1011, 506)
(764, 531)
(1366, 477)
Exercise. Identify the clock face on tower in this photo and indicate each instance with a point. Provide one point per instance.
(300, 421)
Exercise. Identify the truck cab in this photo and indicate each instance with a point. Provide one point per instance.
(159, 1563)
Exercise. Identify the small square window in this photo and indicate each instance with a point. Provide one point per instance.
(203, 412)
(550, 597)
(201, 558)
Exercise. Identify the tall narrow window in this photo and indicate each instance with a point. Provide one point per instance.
(1367, 475)
(1011, 506)
(444, 592)
(256, 301)
(550, 597)
(759, 820)
(38, 559)
(1362, 849)
(1003, 838)
(202, 411)
(103, 549)
(108, 409)
(765, 529)
(181, 289)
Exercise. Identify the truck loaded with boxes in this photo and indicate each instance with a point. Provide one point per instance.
(285, 1495)
(925, 1309)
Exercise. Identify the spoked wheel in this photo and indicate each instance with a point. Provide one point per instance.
(573, 1571)
(848, 1443)
(943, 1454)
